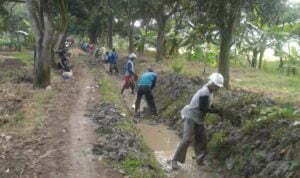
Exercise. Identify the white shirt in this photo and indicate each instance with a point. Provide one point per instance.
(191, 111)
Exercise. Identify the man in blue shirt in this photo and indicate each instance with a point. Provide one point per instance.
(145, 85)
(112, 60)
(130, 76)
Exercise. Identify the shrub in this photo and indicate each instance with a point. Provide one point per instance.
(218, 145)
(177, 66)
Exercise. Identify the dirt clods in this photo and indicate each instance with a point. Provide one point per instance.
(117, 142)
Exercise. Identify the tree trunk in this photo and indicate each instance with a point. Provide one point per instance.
(254, 58)
(226, 38)
(281, 62)
(130, 37)
(226, 22)
(62, 30)
(141, 46)
(110, 32)
(19, 46)
(94, 30)
(174, 48)
(160, 41)
(42, 64)
(43, 32)
(261, 57)
(59, 43)
(248, 59)
(93, 36)
(102, 39)
(60, 40)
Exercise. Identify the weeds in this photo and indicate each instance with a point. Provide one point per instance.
(218, 145)
(19, 116)
(26, 57)
(136, 167)
(177, 66)
(109, 90)
(212, 119)
(267, 118)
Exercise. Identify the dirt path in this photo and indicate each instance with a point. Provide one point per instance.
(83, 163)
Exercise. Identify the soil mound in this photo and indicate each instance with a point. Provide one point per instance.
(252, 136)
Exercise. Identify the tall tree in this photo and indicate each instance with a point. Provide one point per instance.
(41, 19)
(161, 11)
(62, 24)
(226, 15)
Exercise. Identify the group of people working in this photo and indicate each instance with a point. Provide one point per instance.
(111, 58)
(144, 85)
(88, 47)
(193, 114)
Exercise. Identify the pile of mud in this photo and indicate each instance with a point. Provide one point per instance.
(252, 136)
(117, 143)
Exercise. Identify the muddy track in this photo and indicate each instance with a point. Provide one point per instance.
(83, 163)
(81, 129)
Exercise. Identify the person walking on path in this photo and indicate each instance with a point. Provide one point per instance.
(193, 115)
(145, 86)
(112, 59)
(130, 76)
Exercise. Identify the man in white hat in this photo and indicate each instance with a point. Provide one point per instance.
(130, 76)
(193, 115)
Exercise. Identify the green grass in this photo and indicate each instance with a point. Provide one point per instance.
(277, 85)
(21, 71)
(41, 102)
(32, 114)
(269, 80)
(109, 90)
(137, 167)
(24, 56)
(127, 125)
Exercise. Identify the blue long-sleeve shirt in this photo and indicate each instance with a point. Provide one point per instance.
(148, 79)
(112, 58)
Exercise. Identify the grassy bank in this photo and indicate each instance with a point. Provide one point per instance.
(255, 136)
(21, 105)
(136, 164)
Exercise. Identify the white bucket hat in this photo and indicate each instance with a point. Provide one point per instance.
(217, 79)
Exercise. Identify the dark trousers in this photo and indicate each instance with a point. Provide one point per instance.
(149, 98)
(192, 133)
(113, 67)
